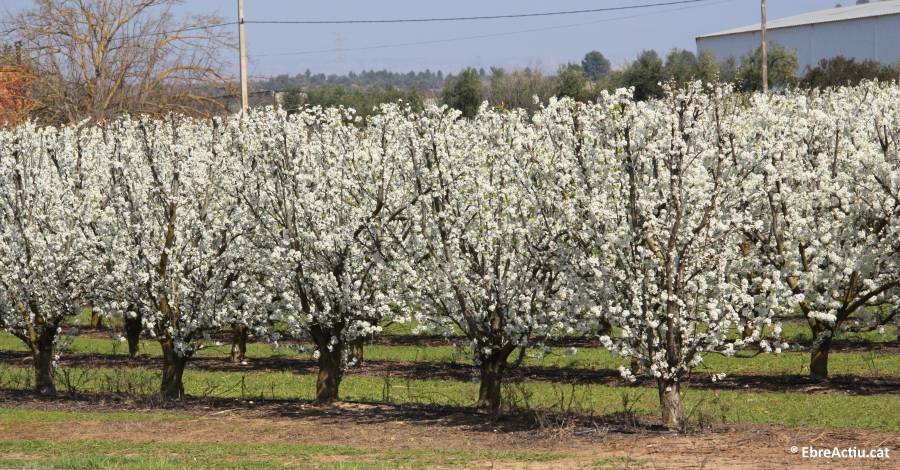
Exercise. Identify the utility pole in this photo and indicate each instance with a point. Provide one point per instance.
(764, 56)
(245, 101)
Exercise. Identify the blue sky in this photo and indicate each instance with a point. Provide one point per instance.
(549, 41)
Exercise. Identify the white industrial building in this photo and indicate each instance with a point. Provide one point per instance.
(867, 31)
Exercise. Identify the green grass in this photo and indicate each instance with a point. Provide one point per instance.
(21, 416)
(404, 329)
(786, 408)
(83, 319)
(859, 363)
(868, 363)
(94, 453)
(797, 331)
(76, 454)
(794, 330)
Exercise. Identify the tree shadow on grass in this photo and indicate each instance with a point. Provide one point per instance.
(467, 418)
(845, 384)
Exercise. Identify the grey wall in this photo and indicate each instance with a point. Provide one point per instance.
(876, 38)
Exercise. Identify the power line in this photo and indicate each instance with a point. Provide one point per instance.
(182, 30)
(403, 20)
(482, 36)
(482, 17)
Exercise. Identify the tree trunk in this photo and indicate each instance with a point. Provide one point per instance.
(172, 387)
(330, 373)
(492, 367)
(670, 404)
(43, 361)
(604, 327)
(356, 350)
(818, 364)
(239, 335)
(747, 331)
(96, 319)
(636, 366)
(133, 328)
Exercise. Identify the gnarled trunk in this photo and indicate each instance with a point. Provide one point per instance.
(133, 328)
(492, 368)
(331, 357)
(818, 363)
(328, 382)
(239, 335)
(670, 404)
(42, 352)
(172, 387)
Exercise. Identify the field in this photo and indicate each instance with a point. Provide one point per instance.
(411, 404)
(352, 435)
(706, 280)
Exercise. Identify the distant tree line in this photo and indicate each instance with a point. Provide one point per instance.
(64, 70)
(585, 82)
(376, 79)
(841, 71)
(529, 88)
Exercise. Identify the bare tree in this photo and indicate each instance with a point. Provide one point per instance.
(518, 88)
(15, 79)
(100, 58)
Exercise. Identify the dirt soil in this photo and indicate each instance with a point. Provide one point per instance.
(580, 443)
(850, 385)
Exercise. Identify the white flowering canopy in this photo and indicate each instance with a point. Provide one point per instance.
(489, 240)
(181, 244)
(830, 219)
(664, 200)
(49, 214)
(688, 222)
(329, 199)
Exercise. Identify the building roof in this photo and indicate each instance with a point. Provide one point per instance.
(866, 10)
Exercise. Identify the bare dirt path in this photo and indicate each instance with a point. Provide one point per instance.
(383, 426)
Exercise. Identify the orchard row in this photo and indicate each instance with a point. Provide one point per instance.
(686, 225)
